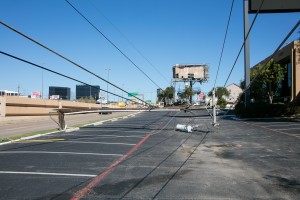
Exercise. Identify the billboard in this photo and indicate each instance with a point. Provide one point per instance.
(36, 95)
(54, 97)
(201, 96)
(274, 6)
(191, 72)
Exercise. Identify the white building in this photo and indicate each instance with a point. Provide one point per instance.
(234, 92)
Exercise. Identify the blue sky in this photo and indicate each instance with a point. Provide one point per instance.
(166, 32)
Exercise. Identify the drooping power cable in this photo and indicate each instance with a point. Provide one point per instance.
(65, 58)
(60, 74)
(228, 22)
(245, 39)
(115, 46)
(133, 46)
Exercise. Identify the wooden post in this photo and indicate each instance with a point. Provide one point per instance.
(61, 120)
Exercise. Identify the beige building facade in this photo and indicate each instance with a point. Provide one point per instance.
(234, 93)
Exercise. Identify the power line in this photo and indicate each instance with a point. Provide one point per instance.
(228, 22)
(244, 41)
(65, 58)
(267, 61)
(60, 74)
(112, 43)
(133, 46)
(270, 57)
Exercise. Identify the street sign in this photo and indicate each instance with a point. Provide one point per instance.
(133, 94)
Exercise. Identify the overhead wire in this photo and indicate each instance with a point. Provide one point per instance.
(57, 73)
(133, 46)
(67, 59)
(273, 54)
(266, 62)
(224, 41)
(228, 22)
(113, 44)
(245, 39)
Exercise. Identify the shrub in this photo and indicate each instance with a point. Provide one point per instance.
(265, 110)
(222, 103)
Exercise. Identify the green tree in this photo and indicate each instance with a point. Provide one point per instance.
(220, 92)
(167, 94)
(222, 102)
(267, 81)
(187, 93)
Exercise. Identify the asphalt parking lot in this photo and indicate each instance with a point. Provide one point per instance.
(144, 157)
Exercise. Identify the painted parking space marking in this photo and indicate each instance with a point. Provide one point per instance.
(45, 140)
(78, 142)
(272, 125)
(108, 143)
(114, 130)
(48, 174)
(113, 136)
(53, 152)
(96, 180)
(274, 130)
(283, 129)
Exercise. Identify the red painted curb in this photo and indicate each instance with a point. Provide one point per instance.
(269, 129)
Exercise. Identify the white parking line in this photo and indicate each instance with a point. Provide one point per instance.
(113, 130)
(48, 174)
(271, 125)
(112, 136)
(53, 152)
(109, 143)
(282, 129)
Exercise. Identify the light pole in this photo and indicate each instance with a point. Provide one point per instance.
(90, 88)
(42, 85)
(122, 91)
(108, 69)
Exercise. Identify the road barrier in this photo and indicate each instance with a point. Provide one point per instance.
(23, 106)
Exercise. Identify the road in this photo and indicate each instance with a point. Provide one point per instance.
(144, 157)
(13, 126)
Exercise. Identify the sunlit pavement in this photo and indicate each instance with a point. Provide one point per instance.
(144, 157)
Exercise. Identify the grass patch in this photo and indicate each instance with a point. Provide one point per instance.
(26, 135)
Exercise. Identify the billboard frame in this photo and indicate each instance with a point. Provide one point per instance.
(274, 6)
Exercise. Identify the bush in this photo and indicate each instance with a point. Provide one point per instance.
(222, 103)
(265, 110)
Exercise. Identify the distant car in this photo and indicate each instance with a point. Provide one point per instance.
(178, 103)
(101, 101)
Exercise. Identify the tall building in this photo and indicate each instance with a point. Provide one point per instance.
(61, 92)
(86, 91)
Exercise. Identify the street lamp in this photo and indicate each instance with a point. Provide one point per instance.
(108, 69)
(91, 88)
